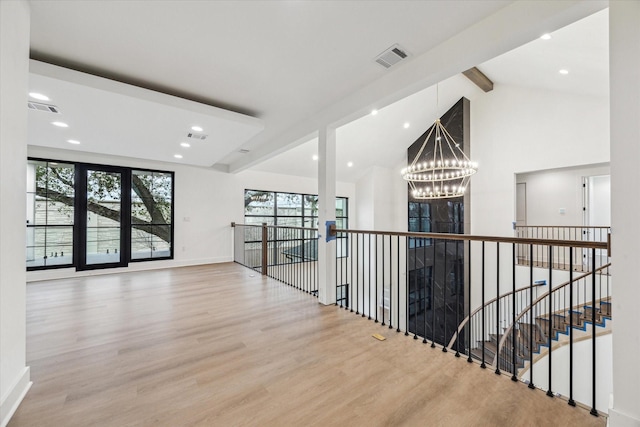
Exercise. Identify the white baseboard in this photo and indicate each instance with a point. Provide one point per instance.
(14, 396)
(66, 273)
(618, 419)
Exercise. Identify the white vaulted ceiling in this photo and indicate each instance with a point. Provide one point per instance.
(259, 75)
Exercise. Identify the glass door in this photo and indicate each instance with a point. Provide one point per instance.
(103, 222)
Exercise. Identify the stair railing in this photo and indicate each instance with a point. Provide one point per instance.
(576, 303)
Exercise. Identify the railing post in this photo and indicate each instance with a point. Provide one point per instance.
(265, 236)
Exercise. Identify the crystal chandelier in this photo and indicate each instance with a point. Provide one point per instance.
(443, 175)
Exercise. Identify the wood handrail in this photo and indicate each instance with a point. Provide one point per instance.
(470, 237)
(563, 226)
(540, 298)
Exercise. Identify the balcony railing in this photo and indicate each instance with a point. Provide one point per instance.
(469, 295)
(539, 257)
(287, 254)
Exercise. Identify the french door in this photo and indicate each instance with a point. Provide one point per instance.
(103, 216)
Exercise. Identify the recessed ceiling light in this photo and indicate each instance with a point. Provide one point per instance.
(185, 144)
(73, 141)
(563, 71)
(177, 156)
(196, 128)
(546, 36)
(315, 157)
(349, 164)
(38, 96)
(406, 125)
(374, 112)
(60, 124)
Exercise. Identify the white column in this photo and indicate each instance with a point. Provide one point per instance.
(326, 212)
(14, 86)
(624, 68)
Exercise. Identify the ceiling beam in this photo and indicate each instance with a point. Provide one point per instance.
(479, 79)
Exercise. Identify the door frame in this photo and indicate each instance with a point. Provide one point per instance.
(80, 230)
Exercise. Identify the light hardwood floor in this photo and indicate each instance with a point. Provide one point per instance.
(221, 346)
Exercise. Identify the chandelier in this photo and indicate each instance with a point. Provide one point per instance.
(443, 175)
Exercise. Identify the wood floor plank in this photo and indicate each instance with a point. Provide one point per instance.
(220, 345)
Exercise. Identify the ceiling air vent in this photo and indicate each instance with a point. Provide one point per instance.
(198, 136)
(391, 56)
(43, 107)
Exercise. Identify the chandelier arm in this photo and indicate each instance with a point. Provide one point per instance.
(424, 144)
(462, 151)
(453, 152)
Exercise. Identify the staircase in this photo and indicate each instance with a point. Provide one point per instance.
(532, 339)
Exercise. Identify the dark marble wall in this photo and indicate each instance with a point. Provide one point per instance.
(436, 268)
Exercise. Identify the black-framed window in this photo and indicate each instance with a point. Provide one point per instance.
(293, 210)
(96, 216)
(419, 221)
(50, 214)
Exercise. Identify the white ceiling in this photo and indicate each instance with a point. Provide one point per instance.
(381, 140)
(283, 62)
(109, 117)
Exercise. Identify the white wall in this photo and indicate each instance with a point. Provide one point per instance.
(624, 51)
(14, 67)
(517, 130)
(551, 191)
(206, 202)
(582, 366)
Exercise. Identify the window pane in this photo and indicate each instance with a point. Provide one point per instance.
(50, 213)
(289, 204)
(310, 205)
(151, 214)
(414, 209)
(259, 202)
(341, 206)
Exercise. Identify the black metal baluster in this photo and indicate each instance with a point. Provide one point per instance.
(497, 307)
(357, 271)
(375, 298)
(416, 299)
(339, 283)
(549, 392)
(351, 273)
(390, 282)
(531, 330)
(571, 401)
(432, 298)
(425, 287)
(398, 283)
(407, 244)
(382, 297)
(593, 411)
(468, 298)
(514, 377)
(369, 279)
(483, 365)
(444, 299)
(458, 292)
